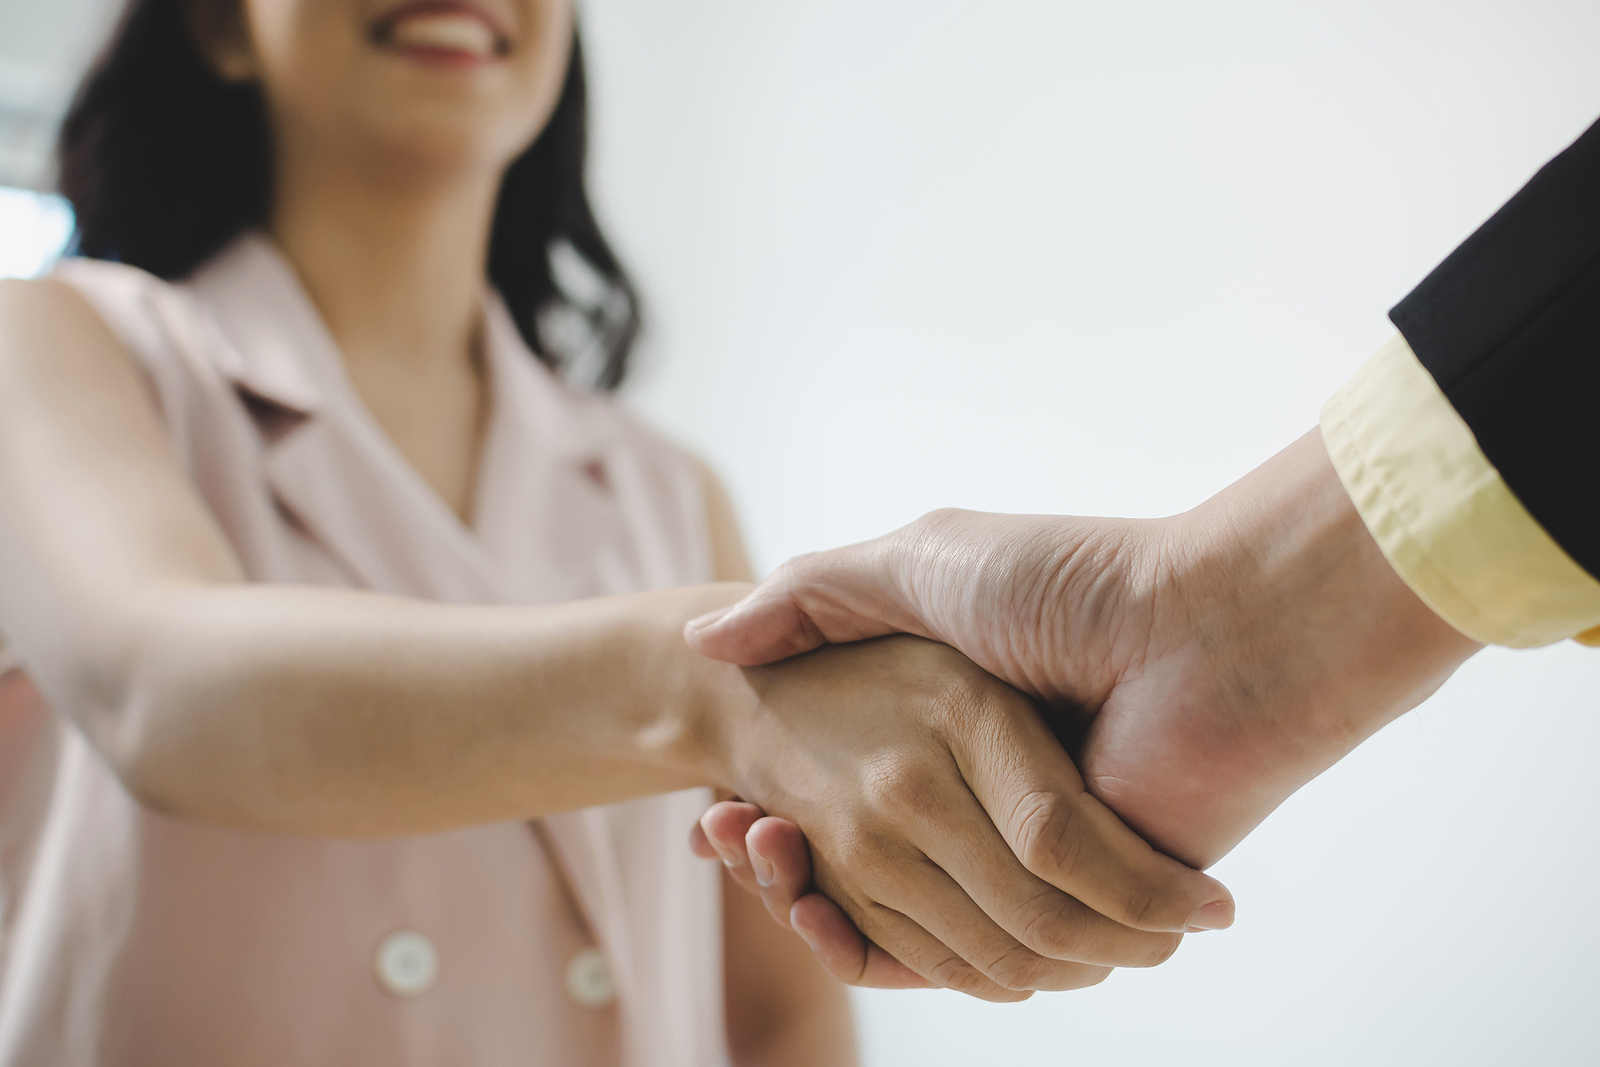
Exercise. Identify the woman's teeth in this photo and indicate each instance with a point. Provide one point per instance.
(453, 33)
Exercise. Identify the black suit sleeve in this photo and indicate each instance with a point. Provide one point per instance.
(1509, 326)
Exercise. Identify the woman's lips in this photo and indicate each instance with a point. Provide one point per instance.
(451, 32)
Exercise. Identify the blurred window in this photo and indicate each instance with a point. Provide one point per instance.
(34, 228)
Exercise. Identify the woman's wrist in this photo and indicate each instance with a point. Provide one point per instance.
(702, 699)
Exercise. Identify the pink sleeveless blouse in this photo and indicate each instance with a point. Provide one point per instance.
(132, 938)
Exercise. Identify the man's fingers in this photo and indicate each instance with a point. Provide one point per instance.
(766, 626)
(843, 952)
(842, 595)
(1068, 838)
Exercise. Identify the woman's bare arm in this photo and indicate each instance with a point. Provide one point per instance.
(302, 709)
(918, 779)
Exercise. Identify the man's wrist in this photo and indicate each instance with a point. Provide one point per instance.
(1443, 515)
(1301, 556)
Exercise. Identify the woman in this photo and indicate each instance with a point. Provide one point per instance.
(327, 607)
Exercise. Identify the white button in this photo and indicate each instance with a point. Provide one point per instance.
(589, 979)
(406, 963)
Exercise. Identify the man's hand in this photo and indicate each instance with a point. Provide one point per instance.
(1216, 661)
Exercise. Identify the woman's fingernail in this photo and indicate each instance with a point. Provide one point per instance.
(762, 867)
(1217, 915)
(707, 619)
(805, 936)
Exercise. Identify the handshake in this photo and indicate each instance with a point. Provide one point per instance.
(1024, 794)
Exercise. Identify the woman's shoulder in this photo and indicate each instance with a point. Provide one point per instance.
(141, 309)
(117, 316)
(120, 292)
(50, 309)
(82, 271)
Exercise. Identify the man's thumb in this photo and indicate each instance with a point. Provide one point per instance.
(762, 628)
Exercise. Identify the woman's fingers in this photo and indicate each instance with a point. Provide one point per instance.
(1069, 839)
(720, 835)
(700, 845)
(843, 952)
(781, 861)
(775, 851)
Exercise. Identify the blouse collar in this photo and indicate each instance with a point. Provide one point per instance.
(280, 351)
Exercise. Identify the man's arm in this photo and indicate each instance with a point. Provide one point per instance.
(1464, 441)
(1508, 326)
(1228, 655)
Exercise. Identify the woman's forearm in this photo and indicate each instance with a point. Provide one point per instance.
(292, 708)
(298, 709)
(347, 713)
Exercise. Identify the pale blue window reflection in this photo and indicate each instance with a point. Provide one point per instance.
(34, 228)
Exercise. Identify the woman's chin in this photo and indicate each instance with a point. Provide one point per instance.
(428, 145)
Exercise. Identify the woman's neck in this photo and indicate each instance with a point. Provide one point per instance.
(397, 270)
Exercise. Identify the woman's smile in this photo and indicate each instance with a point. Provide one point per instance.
(442, 32)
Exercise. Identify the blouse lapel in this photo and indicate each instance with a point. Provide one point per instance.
(325, 459)
(548, 522)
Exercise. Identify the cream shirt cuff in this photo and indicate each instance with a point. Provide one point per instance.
(1443, 515)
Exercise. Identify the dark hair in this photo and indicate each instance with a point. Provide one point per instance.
(165, 163)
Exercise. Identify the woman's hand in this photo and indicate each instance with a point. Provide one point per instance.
(948, 824)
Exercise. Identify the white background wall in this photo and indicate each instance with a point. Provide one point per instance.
(1104, 258)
